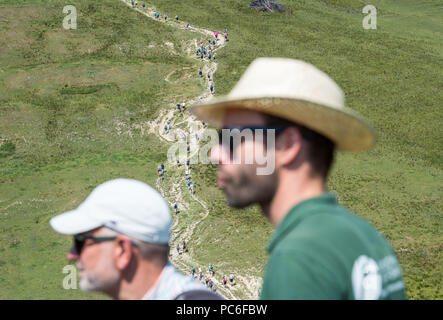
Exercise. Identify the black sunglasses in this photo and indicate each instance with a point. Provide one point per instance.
(79, 241)
(228, 133)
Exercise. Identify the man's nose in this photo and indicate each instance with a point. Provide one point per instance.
(73, 255)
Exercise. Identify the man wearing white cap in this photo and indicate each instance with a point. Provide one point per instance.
(121, 235)
(319, 249)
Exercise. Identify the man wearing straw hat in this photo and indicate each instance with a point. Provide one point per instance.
(319, 249)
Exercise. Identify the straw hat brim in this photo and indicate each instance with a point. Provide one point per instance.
(348, 130)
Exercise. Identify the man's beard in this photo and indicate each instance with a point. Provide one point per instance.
(93, 280)
(248, 188)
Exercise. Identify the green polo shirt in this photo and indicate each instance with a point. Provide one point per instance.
(322, 251)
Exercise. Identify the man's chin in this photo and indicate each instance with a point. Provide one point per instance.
(88, 285)
(85, 285)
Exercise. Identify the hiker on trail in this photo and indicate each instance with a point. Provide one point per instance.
(191, 187)
(188, 178)
(209, 56)
(187, 163)
(188, 183)
(211, 269)
(178, 248)
(193, 271)
(165, 16)
(187, 25)
(200, 274)
(200, 72)
(211, 88)
(201, 56)
(160, 171)
(188, 148)
(209, 40)
(209, 76)
(211, 284)
(213, 42)
(179, 107)
(204, 50)
(224, 280)
(320, 250)
(206, 281)
(185, 246)
(121, 234)
(231, 279)
(216, 34)
(132, 3)
(176, 208)
(176, 18)
(143, 4)
(214, 55)
(184, 106)
(197, 51)
(166, 129)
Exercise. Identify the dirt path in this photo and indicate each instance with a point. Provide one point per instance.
(246, 284)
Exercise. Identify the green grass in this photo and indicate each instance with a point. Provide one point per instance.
(70, 102)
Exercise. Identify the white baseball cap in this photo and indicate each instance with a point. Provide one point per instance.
(127, 206)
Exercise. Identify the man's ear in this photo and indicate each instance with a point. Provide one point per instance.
(287, 147)
(122, 252)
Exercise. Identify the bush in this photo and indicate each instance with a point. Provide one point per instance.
(6, 149)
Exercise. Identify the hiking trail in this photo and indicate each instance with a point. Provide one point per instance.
(173, 193)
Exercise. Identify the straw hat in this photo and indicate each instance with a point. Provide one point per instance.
(296, 91)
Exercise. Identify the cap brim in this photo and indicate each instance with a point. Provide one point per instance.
(73, 222)
(347, 129)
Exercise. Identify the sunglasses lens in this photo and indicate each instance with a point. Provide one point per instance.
(78, 244)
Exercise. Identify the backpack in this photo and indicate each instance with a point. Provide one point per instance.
(201, 294)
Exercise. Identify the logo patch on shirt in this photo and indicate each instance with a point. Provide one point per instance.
(366, 279)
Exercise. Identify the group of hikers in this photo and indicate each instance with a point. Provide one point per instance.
(207, 51)
(188, 180)
(134, 4)
(208, 281)
(185, 247)
(181, 106)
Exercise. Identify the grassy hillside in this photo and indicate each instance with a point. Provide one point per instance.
(70, 101)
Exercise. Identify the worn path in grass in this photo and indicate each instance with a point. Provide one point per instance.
(173, 188)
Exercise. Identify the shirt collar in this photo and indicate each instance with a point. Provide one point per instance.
(296, 214)
(151, 291)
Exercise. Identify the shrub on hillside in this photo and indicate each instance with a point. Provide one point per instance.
(6, 149)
